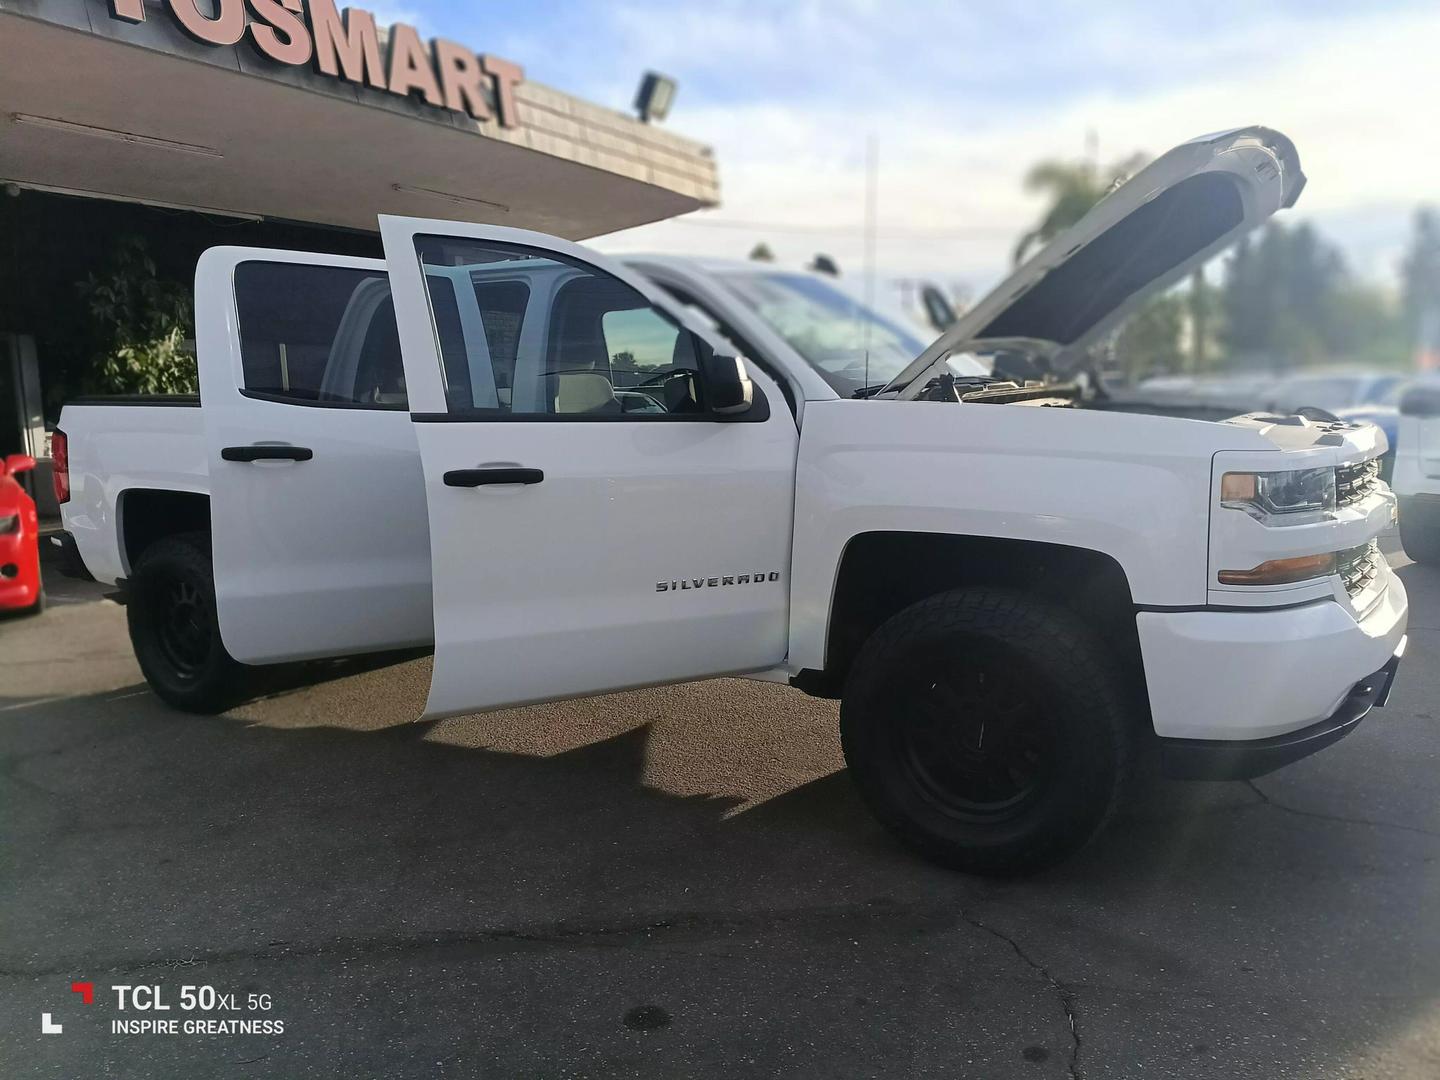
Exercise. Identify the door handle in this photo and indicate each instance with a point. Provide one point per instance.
(469, 478)
(266, 453)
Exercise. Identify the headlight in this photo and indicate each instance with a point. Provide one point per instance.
(1280, 498)
(9, 524)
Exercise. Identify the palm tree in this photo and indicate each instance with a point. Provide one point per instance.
(1074, 187)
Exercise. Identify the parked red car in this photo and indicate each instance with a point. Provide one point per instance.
(20, 588)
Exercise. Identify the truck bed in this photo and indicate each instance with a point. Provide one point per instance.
(124, 443)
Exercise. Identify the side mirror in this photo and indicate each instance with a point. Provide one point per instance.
(727, 385)
(18, 463)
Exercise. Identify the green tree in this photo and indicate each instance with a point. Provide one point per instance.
(1367, 326)
(141, 323)
(1203, 309)
(1420, 282)
(1280, 300)
(1072, 189)
(1149, 341)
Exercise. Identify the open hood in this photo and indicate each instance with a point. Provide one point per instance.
(1158, 226)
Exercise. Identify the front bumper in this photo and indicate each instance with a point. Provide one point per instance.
(1234, 676)
(1215, 759)
(19, 571)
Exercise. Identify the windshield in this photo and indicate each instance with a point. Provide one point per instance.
(832, 330)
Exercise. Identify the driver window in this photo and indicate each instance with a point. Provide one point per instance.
(529, 332)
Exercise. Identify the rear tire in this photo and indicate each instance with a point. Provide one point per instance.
(987, 730)
(174, 629)
(1422, 545)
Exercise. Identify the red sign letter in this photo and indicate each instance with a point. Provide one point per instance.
(346, 47)
(226, 28)
(281, 33)
(461, 77)
(410, 65)
(506, 75)
(129, 10)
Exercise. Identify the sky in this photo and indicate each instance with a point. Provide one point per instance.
(962, 98)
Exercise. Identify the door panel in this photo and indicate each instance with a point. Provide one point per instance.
(317, 503)
(646, 542)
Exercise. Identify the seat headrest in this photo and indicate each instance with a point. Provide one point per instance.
(582, 392)
(683, 354)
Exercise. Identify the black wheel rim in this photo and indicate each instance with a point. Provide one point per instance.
(184, 627)
(975, 738)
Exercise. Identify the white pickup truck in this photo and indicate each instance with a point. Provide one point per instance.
(552, 466)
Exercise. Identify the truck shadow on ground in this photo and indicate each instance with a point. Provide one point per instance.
(600, 822)
(140, 839)
(712, 821)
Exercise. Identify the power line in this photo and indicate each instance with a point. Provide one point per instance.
(857, 228)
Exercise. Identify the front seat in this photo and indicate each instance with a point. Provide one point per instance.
(582, 392)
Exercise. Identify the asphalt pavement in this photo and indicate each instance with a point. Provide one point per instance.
(677, 882)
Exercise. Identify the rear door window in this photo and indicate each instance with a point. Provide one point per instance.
(318, 335)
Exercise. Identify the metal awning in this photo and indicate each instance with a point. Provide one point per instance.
(97, 106)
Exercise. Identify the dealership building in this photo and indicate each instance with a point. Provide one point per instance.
(137, 133)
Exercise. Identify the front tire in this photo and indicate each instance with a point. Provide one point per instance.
(174, 628)
(1422, 545)
(987, 730)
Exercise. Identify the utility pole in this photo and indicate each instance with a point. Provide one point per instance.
(1199, 317)
(872, 184)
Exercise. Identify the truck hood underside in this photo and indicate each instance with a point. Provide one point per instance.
(1159, 226)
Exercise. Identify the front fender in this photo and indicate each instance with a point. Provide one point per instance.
(1132, 487)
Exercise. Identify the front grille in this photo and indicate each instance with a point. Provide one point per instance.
(1358, 567)
(1354, 482)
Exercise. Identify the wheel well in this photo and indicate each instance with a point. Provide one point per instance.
(883, 573)
(149, 515)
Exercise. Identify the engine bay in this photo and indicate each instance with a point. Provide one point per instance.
(976, 389)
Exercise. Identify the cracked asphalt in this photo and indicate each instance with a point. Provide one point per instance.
(677, 882)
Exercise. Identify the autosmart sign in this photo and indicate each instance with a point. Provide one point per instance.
(442, 73)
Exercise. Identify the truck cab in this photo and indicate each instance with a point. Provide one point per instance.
(574, 475)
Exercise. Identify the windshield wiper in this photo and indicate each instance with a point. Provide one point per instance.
(869, 391)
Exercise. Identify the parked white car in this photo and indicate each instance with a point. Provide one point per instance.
(1417, 470)
(1010, 591)
(1334, 390)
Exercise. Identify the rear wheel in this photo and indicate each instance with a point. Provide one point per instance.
(986, 729)
(174, 628)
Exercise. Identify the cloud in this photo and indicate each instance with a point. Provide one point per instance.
(963, 106)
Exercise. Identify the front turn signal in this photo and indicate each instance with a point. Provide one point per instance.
(1282, 571)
